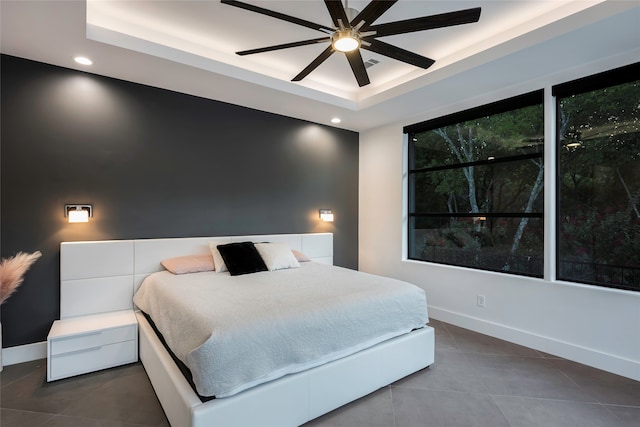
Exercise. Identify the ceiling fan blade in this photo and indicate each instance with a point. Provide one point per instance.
(283, 46)
(371, 12)
(357, 65)
(449, 19)
(394, 52)
(336, 10)
(277, 15)
(316, 62)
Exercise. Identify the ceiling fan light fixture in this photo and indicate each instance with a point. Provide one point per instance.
(345, 40)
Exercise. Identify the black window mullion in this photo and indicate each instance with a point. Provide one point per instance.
(476, 214)
(480, 163)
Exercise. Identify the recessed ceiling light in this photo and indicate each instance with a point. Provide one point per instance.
(336, 120)
(83, 60)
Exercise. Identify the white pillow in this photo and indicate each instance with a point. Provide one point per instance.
(218, 262)
(277, 256)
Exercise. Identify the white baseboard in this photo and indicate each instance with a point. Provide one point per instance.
(24, 353)
(586, 356)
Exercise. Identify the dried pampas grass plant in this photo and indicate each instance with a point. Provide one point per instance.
(12, 271)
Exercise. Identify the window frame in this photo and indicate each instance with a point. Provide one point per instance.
(513, 103)
(614, 77)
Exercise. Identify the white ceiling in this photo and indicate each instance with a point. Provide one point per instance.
(188, 46)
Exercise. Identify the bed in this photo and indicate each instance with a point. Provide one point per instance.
(103, 276)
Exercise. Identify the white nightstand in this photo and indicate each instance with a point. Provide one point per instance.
(82, 344)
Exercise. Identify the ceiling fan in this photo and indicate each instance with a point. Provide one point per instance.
(351, 35)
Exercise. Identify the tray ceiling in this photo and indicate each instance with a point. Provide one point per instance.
(190, 46)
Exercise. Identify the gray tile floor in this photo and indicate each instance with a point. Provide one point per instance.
(476, 381)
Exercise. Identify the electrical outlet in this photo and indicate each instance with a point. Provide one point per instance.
(481, 301)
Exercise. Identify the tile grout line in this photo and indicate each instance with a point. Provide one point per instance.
(598, 404)
(549, 399)
(588, 393)
(491, 396)
(47, 421)
(20, 378)
(44, 423)
(393, 407)
(613, 414)
(452, 337)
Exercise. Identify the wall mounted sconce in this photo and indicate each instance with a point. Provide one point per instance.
(326, 215)
(78, 213)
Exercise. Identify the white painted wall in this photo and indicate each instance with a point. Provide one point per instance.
(592, 325)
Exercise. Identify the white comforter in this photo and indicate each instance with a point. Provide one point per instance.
(235, 332)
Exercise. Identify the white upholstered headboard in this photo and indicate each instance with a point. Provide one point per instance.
(102, 276)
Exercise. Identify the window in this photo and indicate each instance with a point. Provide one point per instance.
(476, 183)
(598, 186)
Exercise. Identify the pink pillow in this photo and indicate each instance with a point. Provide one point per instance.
(300, 256)
(188, 264)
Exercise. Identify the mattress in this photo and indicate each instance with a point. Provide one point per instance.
(235, 332)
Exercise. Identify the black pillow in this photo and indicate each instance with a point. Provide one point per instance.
(242, 258)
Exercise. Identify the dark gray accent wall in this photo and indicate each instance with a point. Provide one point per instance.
(153, 163)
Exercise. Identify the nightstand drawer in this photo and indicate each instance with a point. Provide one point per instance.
(92, 339)
(92, 359)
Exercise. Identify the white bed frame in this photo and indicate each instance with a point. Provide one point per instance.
(102, 276)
